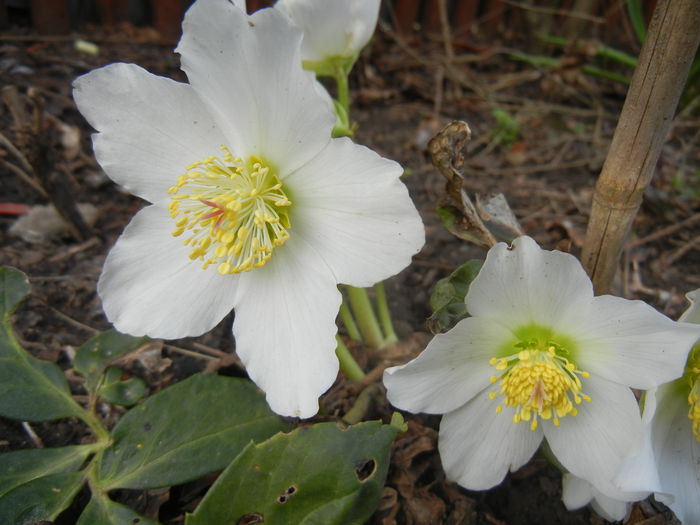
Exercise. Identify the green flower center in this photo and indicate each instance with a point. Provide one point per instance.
(236, 213)
(539, 381)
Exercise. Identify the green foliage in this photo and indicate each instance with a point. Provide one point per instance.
(320, 474)
(192, 428)
(40, 499)
(118, 391)
(200, 425)
(507, 128)
(94, 356)
(103, 511)
(447, 299)
(30, 389)
(636, 14)
(20, 467)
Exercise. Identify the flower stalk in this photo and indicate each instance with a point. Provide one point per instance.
(347, 362)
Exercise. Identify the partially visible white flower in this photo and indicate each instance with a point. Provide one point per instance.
(577, 493)
(672, 423)
(335, 31)
(541, 357)
(607, 498)
(253, 206)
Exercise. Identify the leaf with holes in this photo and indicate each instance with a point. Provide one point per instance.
(30, 389)
(104, 511)
(96, 354)
(190, 429)
(317, 474)
(22, 466)
(40, 499)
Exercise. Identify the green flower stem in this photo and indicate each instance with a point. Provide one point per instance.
(341, 82)
(349, 322)
(384, 314)
(347, 362)
(362, 404)
(365, 316)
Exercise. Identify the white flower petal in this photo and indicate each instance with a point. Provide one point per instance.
(692, 314)
(575, 492)
(150, 128)
(609, 508)
(638, 472)
(285, 328)
(631, 343)
(593, 444)
(478, 446)
(249, 70)
(350, 205)
(149, 286)
(678, 454)
(525, 284)
(450, 371)
(332, 27)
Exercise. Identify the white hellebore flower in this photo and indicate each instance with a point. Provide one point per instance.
(253, 206)
(335, 31)
(672, 416)
(541, 357)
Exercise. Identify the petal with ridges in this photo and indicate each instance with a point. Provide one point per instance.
(285, 328)
(678, 453)
(593, 444)
(632, 344)
(450, 371)
(350, 205)
(150, 128)
(249, 70)
(525, 284)
(149, 286)
(478, 446)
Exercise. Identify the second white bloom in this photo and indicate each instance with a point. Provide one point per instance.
(540, 357)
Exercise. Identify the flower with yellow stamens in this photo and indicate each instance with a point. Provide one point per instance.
(540, 358)
(253, 206)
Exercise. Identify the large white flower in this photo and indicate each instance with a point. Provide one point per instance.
(541, 357)
(254, 207)
(672, 425)
(335, 31)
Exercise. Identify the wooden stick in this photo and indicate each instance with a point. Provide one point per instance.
(645, 120)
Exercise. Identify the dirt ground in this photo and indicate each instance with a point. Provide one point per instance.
(402, 92)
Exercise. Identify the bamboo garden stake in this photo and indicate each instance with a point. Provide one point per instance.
(652, 98)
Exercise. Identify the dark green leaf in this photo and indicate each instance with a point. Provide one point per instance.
(447, 299)
(34, 390)
(22, 466)
(192, 428)
(103, 511)
(14, 286)
(40, 499)
(30, 389)
(121, 392)
(96, 354)
(320, 474)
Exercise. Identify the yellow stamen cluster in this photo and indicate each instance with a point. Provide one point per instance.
(235, 212)
(539, 383)
(693, 374)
